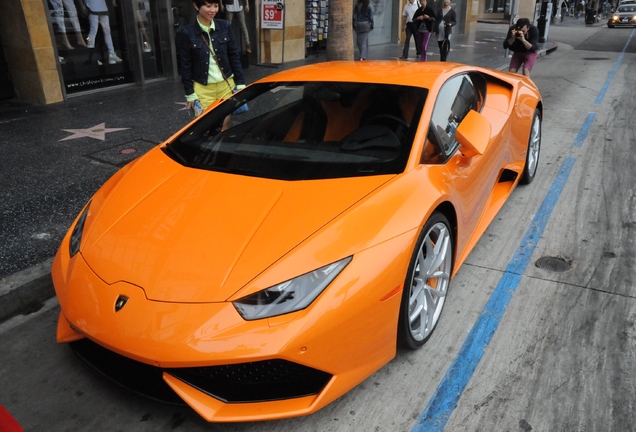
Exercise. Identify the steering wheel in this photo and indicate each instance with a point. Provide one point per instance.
(392, 121)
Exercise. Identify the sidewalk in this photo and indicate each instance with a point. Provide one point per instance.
(484, 48)
(56, 156)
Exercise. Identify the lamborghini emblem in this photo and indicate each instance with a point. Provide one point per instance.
(120, 303)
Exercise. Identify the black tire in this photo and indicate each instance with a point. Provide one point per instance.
(426, 284)
(533, 151)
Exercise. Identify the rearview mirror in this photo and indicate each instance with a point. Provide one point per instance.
(473, 134)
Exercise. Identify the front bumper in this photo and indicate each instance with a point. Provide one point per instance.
(621, 22)
(221, 393)
(208, 355)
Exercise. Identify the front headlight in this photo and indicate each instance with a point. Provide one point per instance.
(615, 18)
(290, 296)
(76, 235)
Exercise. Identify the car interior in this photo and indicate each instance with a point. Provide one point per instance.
(342, 129)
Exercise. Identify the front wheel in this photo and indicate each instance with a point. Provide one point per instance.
(534, 148)
(427, 282)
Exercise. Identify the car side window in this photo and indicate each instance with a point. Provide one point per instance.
(455, 99)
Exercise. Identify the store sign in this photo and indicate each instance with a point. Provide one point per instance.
(272, 14)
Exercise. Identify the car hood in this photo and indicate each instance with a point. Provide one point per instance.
(189, 235)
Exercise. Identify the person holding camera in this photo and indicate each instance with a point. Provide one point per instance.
(523, 40)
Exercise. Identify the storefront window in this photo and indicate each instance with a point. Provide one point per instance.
(149, 38)
(382, 19)
(316, 23)
(497, 6)
(91, 43)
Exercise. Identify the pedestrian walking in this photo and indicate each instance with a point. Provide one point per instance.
(446, 19)
(564, 10)
(590, 13)
(523, 40)
(580, 7)
(424, 19)
(363, 25)
(210, 66)
(409, 27)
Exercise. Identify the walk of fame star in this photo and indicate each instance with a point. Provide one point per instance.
(98, 132)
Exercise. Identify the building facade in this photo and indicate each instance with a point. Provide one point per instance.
(51, 50)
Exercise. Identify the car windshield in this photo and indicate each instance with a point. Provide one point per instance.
(627, 8)
(306, 131)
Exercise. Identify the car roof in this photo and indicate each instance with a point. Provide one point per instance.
(416, 74)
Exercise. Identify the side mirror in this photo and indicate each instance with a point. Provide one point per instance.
(473, 134)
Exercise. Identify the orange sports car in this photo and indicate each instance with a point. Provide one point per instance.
(262, 268)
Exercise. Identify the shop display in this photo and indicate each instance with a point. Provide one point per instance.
(316, 22)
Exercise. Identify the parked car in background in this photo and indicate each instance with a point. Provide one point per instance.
(625, 15)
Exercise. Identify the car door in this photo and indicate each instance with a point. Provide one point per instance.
(471, 179)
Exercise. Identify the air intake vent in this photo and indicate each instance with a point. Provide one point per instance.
(255, 381)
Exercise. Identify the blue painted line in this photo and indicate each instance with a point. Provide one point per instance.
(601, 94)
(585, 130)
(447, 395)
(521, 259)
(450, 389)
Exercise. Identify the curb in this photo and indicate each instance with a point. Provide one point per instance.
(548, 48)
(26, 291)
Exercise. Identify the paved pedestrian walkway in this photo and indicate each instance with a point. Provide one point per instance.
(55, 157)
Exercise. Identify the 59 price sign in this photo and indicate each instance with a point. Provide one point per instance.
(272, 14)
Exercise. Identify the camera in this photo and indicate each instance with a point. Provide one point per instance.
(517, 32)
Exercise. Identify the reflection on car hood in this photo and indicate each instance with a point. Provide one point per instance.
(187, 235)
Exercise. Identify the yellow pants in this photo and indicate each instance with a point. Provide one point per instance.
(213, 91)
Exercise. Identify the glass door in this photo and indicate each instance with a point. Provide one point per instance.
(150, 40)
(91, 43)
(383, 21)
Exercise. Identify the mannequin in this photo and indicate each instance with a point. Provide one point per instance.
(238, 9)
(98, 16)
(58, 7)
(145, 40)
